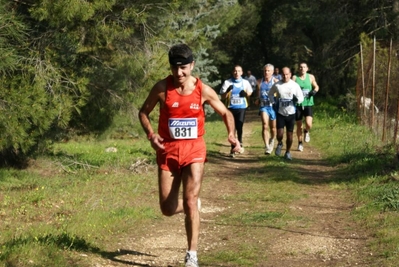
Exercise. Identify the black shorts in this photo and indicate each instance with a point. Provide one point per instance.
(301, 112)
(238, 114)
(286, 121)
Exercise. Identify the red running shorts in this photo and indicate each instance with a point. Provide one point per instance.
(180, 153)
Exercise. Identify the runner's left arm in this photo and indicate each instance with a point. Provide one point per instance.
(271, 93)
(315, 86)
(248, 88)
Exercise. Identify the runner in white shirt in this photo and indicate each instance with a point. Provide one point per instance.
(288, 94)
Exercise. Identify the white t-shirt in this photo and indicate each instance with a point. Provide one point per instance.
(285, 95)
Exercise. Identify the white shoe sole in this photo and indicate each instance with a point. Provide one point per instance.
(307, 138)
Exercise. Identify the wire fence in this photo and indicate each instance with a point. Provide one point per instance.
(377, 89)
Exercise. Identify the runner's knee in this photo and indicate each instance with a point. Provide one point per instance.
(190, 204)
(168, 209)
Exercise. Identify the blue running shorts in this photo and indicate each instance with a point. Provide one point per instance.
(270, 112)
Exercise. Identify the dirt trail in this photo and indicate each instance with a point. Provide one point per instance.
(332, 239)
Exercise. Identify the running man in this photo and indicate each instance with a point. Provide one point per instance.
(276, 74)
(288, 94)
(309, 88)
(179, 144)
(266, 111)
(236, 91)
(252, 81)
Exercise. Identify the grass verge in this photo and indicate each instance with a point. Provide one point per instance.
(369, 169)
(76, 199)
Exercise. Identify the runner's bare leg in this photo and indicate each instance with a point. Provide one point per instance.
(280, 135)
(169, 185)
(273, 129)
(309, 121)
(290, 137)
(192, 178)
(299, 130)
(265, 128)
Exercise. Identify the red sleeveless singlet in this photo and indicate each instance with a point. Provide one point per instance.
(182, 116)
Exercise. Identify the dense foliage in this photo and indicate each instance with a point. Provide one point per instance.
(69, 66)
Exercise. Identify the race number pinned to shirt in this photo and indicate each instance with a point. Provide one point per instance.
(265, 103)
(236, 100)
(186, 128)
(286, 102)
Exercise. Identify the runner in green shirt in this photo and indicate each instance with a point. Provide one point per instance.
(309, 87)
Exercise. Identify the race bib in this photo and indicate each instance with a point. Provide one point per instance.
(264, 103)
(183, 128)
(286, 102)
(236, 100)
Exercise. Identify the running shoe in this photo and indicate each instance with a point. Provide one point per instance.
(287, 155)
(278, 149)
(268, 150)
(271, 143)
(241, 150)
(190, 261)
(300, 147)
(307, 137)
(232, 154)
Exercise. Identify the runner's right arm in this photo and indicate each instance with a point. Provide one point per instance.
(157, 94)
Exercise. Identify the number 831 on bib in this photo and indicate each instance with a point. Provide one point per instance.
(186, 128)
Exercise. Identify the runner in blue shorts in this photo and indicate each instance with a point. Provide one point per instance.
(266, 111)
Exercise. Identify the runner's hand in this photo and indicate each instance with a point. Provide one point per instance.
(156, 142)
(312, 93)
(243, 93)
(234, 141)
(229, 89)
(294, 99)
(237, 147)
